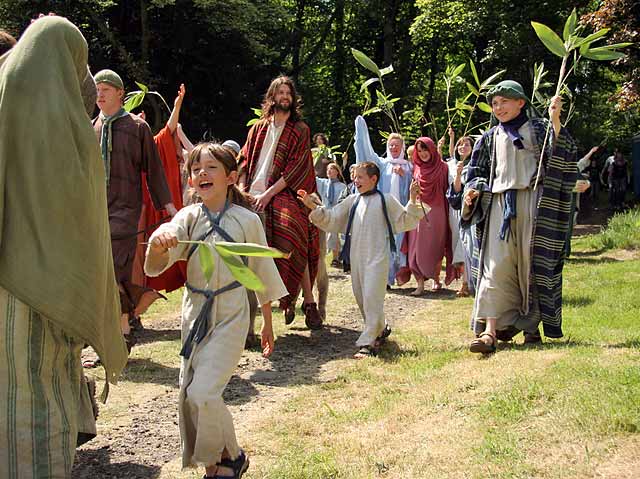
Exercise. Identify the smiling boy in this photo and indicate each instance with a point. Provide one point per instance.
(517, 266)
(370, 220)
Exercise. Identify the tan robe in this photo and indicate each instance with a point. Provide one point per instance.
(206, 426)
(503, 292)
(369, 253)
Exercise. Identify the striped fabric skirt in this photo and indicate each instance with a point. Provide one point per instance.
(40, 379)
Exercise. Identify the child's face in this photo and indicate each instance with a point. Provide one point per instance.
(332, 173)
(464, 148)
(209, 177)
(423, 152)
(506, 109)
(395, 147)
(363, 181)
(352, 173)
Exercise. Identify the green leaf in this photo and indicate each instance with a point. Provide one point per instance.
(253, 121)
(602, 55)
(375, 109)
(206, 261)
(592, 38)
(249, 249)
(368, 82)
(241, 272)
(386, 70)
(488, 82)
(458, 70)
(473, 89)
(474, 72)
(134, 101)
(550, 39)
(484, 107)
(143, 87)
(365, 61)
(257, 111)
(614, 46)
(570, 25)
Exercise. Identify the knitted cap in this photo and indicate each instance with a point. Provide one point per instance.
(233, 145)
(507, 89)
(110, 77)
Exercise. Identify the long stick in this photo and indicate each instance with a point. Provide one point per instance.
(559, 86)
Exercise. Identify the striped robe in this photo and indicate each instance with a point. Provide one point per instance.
(286, 218)
(551, 223)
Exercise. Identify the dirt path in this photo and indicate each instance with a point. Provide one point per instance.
(138, 431)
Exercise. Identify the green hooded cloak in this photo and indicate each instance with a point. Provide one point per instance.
(55, 247)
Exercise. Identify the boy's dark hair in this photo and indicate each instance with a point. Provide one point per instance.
(6, 42)
(370, 168)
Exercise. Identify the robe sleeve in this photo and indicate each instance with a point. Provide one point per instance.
(152, 166)
(404, 218)
(333, 220)
(155, 264)
(478, 175)
(264, 268)
(362, 145)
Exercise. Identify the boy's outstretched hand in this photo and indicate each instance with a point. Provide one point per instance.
(414, 191)
(164, 241)
(307, 199)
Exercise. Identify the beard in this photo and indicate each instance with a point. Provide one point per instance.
(284, 107)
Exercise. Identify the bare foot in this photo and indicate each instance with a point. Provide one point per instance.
(437, 286)
(418, 291)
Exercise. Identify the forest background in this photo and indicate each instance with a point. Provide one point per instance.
(227, 52)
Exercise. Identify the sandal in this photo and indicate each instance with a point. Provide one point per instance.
(479, 346)
(311, 316)
(91, 363)
(463, 292)
(239, 466)
(365, 352)
(386, 332)
(130, 340)
(532, 338)
(289, 314)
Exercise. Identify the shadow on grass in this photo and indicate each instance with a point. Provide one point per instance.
(577, 301)
(298, 360)
(149, 335)
(585, 254)
(140, 370)
(239, 391)
(585, 260)
(96, 464)
(444, 293)
(391, 352)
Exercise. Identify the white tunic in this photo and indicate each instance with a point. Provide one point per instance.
(206, 426)
(369, 253)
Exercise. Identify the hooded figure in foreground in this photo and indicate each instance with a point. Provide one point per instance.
(57, 288)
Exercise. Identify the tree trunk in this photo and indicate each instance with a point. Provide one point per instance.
(433, 71)
(340, 56)
(296, 38)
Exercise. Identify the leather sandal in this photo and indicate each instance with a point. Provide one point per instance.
(289, 314)
(479, 346)
(311, 316)
(239, 466)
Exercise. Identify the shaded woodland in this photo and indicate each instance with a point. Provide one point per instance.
(227, 51)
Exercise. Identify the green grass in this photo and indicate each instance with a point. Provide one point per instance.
(622, 232)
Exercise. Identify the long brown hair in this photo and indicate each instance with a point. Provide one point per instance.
(226, 156)
(269, 100)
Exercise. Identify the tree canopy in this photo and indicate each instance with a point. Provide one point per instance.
(227, 51)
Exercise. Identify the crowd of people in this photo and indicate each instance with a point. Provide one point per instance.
(104, 226)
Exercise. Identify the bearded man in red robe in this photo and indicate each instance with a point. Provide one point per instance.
(276, 162)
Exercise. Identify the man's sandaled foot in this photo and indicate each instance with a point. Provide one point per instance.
(311, 316)
(252, 341)
(90, 363)
(417, 292)
(289, 314)
(484, 344)
(238, 466)
(386, 332)
(532, 338)
(463, 292)
(436, 287)
(365, 352)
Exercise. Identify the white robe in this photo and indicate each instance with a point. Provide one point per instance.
(369, 253)
(206, 426)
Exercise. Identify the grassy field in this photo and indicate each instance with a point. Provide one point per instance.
(426, 408)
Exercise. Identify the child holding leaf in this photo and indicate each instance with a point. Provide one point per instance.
(215, 308)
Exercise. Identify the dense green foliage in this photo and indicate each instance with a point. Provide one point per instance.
(226, 52)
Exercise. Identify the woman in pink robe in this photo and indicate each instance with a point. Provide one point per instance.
(431, 240)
